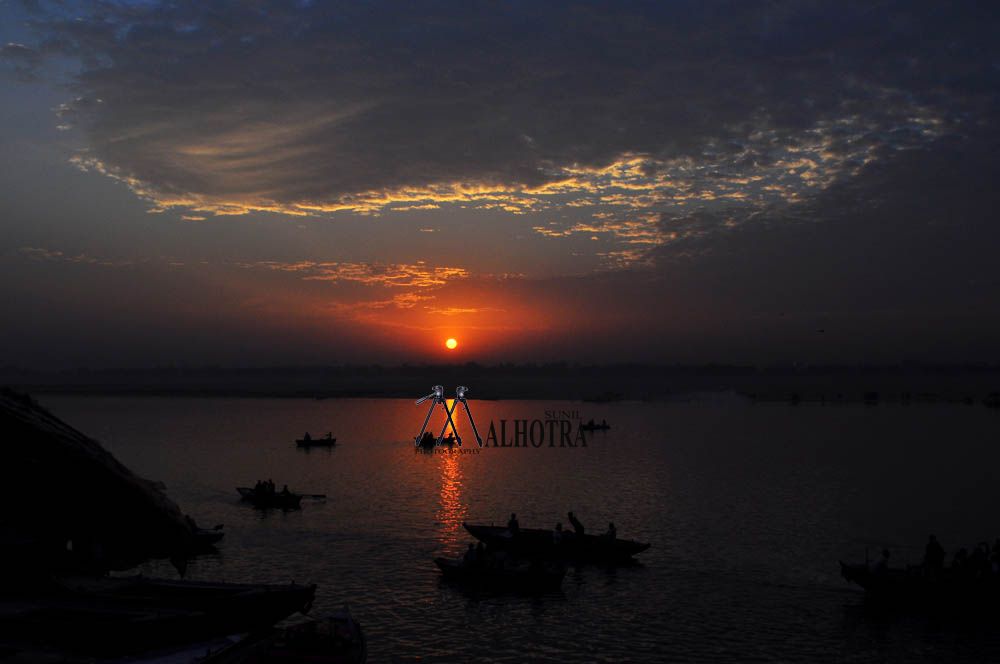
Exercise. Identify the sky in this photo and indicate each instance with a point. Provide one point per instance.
(268, 183)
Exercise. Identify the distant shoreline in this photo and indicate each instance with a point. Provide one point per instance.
(595, 384)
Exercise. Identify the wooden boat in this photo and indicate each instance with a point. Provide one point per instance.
(525, 575)
(316, 442)
(107, 616)
(538, 542)
(335, 639)
(205, 539)
(265, 500)
(913, 588)
(252, 604)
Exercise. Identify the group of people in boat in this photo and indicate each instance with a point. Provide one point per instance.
(558, 534)
(980, 565)
(429, 440)
(307, 437)
(266, 487)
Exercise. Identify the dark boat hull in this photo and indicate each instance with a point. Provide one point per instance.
(285, 501)
(914, 589)
(537, 542)
(112, 616)
(317, 442)
(336, 639)
(526, 576)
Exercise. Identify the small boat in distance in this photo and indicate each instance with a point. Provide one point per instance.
(266, 499)
(308, 441)
(592, 426)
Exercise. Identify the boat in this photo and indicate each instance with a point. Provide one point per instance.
(591, 426)
(539, 542)
(205, 539)
(913, 588)
(113, 616)
(335, 639)
(524, 575)
(252, 605)
(267, 499)
(327, 441)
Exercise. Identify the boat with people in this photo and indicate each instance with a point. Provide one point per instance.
(510, 574)
(264, 499)
(329, 440)
(593, 426)
(913, 587)
(972, 581)
(570, 546)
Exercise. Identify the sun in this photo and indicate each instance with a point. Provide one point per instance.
(451, 343)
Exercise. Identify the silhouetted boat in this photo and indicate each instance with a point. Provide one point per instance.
(536, 575)
(538, 542)
(205, 539)
(255, 604)
(914, 588)
(590, 426)
(266, 499)
(335, 639)
(113, 616)
(316, 442)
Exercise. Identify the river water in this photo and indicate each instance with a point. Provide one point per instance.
(748, 508)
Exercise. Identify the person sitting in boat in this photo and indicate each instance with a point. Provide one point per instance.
(933, 557)
(591, 422)
(469, 559)
(450, 440)
(612, 533)
(881, 566)
(306, 436)
(285, 491)
(557, 534)
(270, 486)
(512, 525)
(577, 526)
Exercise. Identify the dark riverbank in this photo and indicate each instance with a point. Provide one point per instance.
(848, 384)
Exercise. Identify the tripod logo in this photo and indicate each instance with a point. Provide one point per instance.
(438, 398)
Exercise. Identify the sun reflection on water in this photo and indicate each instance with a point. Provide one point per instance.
(451, 509)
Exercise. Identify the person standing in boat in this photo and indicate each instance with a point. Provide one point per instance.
(933, 558)
(612, 533)
(881, 566)
(512, 525)
(306, 436)
(577, 526)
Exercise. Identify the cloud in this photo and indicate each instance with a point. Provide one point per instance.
(365, 108)
(418, 275)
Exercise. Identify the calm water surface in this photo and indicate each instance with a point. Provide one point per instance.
(748, 508)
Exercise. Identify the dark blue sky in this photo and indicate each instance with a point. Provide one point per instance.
(259, 183)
